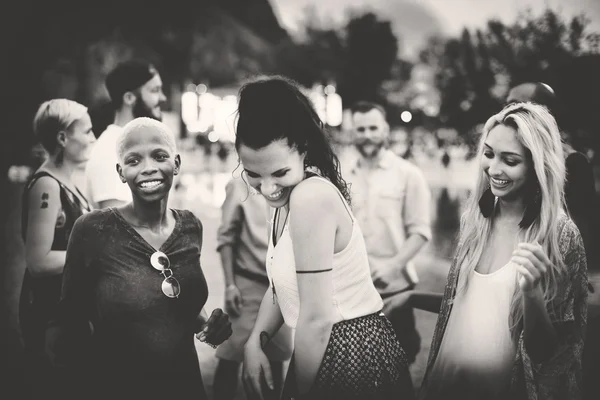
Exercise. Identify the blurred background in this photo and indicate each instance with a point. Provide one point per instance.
(440, 68)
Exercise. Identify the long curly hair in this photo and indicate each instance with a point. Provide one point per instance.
(274, 108)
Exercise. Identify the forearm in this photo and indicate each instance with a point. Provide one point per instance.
(427, 301)
(269, 320)
(50, 264)
(410, 248)
(540, 336)
(226, 253)
(310, 343)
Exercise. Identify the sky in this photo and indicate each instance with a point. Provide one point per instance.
(415, 20)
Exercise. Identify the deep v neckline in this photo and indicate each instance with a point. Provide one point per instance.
(141, 239)
(274, 226)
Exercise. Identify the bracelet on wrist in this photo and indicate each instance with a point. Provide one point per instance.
(231, 286)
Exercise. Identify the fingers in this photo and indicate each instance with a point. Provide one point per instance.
(531, 260)
(268, 375)
(232, 308)
(237, 304)
(528, 265)
(218, 328)
(221, 335)
(239, 300)
(379, 281)
(252, 390)
(387, 306)
(537, 251)
(253, 379)
(214, 317)
(526, 274)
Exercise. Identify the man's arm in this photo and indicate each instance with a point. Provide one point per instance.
(228, 236)
(416, 215)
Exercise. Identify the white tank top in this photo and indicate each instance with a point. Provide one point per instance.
(477, 353)
(354, 294)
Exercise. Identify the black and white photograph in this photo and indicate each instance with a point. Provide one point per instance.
(301, 200)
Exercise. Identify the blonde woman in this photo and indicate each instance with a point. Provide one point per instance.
(51, 204)
(513, 313)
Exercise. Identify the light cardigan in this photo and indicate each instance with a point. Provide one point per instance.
(560, 375)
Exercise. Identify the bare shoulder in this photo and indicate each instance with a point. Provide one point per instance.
(313, 195)
(45, 190)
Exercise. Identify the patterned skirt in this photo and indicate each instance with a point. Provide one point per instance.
(363, 361)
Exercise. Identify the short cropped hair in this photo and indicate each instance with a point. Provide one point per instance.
(145, 123)
(366, 106)
(54, 116)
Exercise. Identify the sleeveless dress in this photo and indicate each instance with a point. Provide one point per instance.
(40, 295)
(363, 358)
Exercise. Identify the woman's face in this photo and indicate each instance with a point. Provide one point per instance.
(273, 170)
(506, 163)
(148, 164)
(79, 139)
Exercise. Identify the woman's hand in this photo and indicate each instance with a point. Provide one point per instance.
(256, 371)
(216, 330)
(533, 265)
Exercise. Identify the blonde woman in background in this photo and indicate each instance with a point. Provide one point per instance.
(513, 315)
(51, 204)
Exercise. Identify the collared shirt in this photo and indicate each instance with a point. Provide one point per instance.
(391, 202)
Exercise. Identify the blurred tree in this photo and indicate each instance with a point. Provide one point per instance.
(372, 51)
(475, 72)
(360, 58)
(316, 55)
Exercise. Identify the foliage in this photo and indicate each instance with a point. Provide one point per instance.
(475, 71)
(360, 57)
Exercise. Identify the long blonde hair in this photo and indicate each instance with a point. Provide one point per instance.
(538, 132)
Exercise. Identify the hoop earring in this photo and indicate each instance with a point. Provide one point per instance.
(532, 210)
(487, 202)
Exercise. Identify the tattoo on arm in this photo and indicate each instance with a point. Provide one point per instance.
(44, 198)
(264, 339)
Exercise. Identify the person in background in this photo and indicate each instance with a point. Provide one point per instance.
(51, 204)
(392, 203)
(133, 288)
(580, 196)
(320, 281)
(243, 238)
(135, 89)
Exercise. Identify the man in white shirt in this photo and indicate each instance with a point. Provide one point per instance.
(391, 201)
(135, 89)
